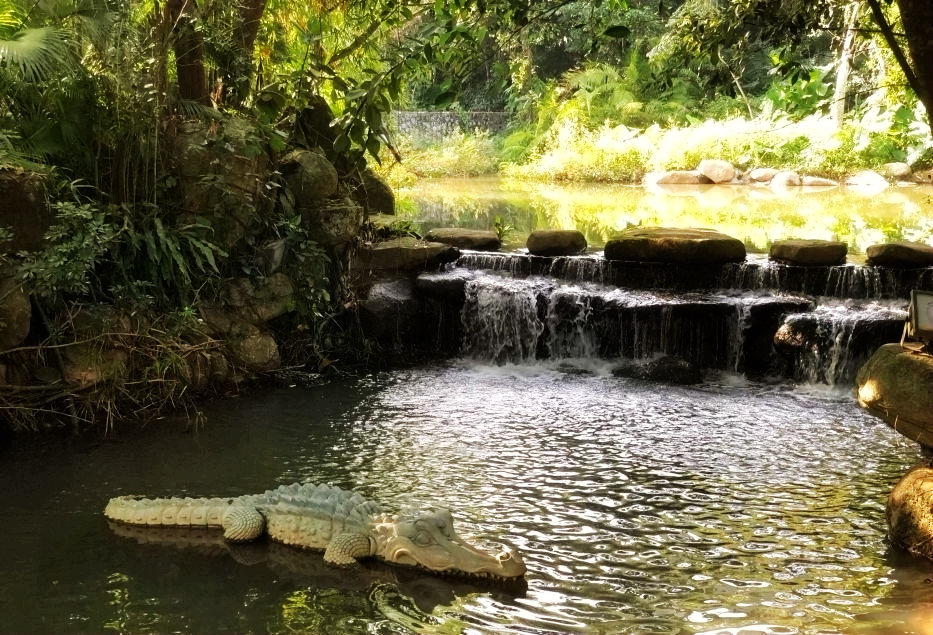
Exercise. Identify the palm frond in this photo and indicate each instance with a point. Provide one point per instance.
(36, 52)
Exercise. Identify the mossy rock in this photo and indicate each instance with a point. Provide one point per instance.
(909, 512)
(896, 384)
(676, 245)
(903, 254)
(480, 239)
(809, 253)
(556, 242)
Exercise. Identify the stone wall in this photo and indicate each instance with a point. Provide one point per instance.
(431, 126)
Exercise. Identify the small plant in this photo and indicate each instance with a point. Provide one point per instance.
(503, 229)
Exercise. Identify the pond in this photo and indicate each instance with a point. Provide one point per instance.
(728, 507)
(756, 215)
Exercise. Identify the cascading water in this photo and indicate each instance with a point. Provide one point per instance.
(515, 315)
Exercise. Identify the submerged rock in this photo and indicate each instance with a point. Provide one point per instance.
(809, 252)
(666, 244)
(785, 178)
(896, 384)
(900, 254)
(909, 512)
(479, 239)
(556, 242)
(667, 370)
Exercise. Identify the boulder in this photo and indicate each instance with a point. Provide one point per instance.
(666, 244)
(897, 170)
(683, 177)
(809, 253)
(716, 170)
(447, 285)
(24, 210)
(334, 221)
(817, 181)
(903, 254)
(867, 180)
(909, 512)
(221, 175)
(556, 242)
(896, 384)
(480, 239)
(762, 175)
(389, 310)
(406, 254)
(309, 176)
(15, 313)
(257, 353)
(262, 301)
(785, 178)
(374, 194)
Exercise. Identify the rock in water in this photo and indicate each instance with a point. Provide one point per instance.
(909, 512)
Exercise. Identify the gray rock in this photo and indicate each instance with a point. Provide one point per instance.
(667, 370)
(716, 170)
(817, 181)
(480, 239)
(257, 353)
(309, 176)
(556, 242)
(784, 179)
(762, 175)
(678, 245)
(447, 285)
(333, 222)
(406, 254)
(896, 384)
(897, 170)
(809, 252)
(867, 179)
(389, 309)
(260, 302)
(683, 177)
(374, 194)
(900, 254)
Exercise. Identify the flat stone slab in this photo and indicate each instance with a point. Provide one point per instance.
(556, 242)
(903, 254)
(809, 253)
(677, 245)
(479, 239)
(406, 254)
(896, 384)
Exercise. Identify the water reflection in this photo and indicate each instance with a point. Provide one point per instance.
(730, 508)
(756, 215)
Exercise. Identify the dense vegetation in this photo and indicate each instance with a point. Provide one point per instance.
(99, 97)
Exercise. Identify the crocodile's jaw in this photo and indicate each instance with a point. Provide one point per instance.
(429, 541)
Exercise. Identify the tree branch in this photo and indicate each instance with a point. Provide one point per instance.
(895, 47)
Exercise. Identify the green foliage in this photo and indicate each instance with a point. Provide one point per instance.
(459, 154)
(175, 262)
(309, 266)
(77, 243)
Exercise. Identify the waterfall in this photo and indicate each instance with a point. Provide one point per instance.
(508, 319)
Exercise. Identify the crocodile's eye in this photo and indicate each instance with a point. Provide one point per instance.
(423, 539)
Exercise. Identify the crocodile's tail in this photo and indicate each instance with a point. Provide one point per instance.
(240, 521)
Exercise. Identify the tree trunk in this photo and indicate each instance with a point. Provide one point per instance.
(838, 107)
(188, 44)
(242, 72)
(917, 17)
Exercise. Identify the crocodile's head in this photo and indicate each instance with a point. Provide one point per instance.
(428, 540)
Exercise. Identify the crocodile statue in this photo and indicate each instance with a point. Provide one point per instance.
(343, 524)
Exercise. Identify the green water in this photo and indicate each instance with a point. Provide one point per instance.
(757, 215)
